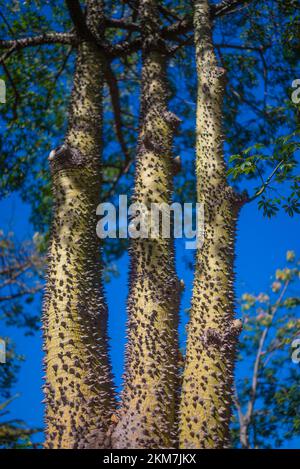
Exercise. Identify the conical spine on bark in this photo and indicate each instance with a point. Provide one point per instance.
(79, 390)
(147, 418)
(212, 330)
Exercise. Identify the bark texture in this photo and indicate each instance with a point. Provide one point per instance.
(147, 418)
(212, 330)
(79, 391)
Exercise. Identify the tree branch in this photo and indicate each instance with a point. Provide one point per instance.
(185, 24)
(59, 73)
(242, 421)
(170, 33)
(247, 417)
(228, 6)
(47, 38)
(115, 100)
(265, 185)
(20, 293)
(122, 24)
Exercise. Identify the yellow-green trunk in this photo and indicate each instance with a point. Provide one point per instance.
(147, 418)
(212, 331)
(78, 388)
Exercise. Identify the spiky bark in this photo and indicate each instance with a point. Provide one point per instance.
(79, 392)
(149, 399)
(212, 330)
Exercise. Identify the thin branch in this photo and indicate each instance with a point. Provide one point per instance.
(27, 291)
(251, 402)
(240, 47)
(4, 404)
(122, 24)
(182, 26)
(115, 100)
(14, 273)
(185, 24)
(242, 421)
(7, 23)
(125, 48)
(228, 6)
(57, 76)
(238, 406)
(171, 32)
(265, 185)
(122, 171)
(250, 408)
(190, 40)
(14, 270)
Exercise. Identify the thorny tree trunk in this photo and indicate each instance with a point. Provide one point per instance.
(149, 400)
(79, 393)
(212, 331)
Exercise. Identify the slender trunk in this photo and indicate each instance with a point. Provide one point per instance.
(79, 391)
(149, 399)
(212, 332)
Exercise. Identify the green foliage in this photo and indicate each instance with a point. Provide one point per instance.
(275, 416)
(21, 271)
(14, 433)
(20, 282)
(251, 163)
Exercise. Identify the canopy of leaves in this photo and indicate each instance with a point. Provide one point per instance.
(20, 281)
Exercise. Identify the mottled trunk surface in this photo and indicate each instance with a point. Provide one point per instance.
(149, 400)
(212, 331)
(78, 388)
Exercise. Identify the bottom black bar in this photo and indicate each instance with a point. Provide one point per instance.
(139, 458)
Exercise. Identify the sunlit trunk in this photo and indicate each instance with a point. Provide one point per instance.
(79, 392)
(149, 400)
(212, 332)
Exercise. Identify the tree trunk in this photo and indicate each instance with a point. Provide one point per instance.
(149, 399)
(79, 391)
(212, 332)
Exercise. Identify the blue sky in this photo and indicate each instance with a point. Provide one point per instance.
(261, 247)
